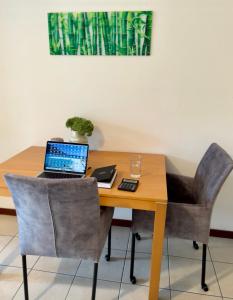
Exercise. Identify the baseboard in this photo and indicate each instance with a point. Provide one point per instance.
(7, 211)
(127, 223)
(221, 233)
(122, 223)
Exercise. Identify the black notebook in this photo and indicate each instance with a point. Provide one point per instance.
(105, 176)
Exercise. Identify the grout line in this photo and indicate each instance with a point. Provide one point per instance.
(30, 269)
(9, 266)
(11, 235)
(73, 279)
(28, 273)
(181, 291)
(124, 265)
(207, 260)
(215, 273)
(7, 243)
(36, 262)
(107, 280)
(58, 273)
(222, 262)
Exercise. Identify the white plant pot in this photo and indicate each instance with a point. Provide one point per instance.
(78, 138)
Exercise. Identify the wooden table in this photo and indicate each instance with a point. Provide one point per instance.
(151, 193)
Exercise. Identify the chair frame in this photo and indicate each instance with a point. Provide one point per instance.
(204, 186)
(133, 279)
(95, 271)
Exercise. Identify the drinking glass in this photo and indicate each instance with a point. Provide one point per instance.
(136, 166)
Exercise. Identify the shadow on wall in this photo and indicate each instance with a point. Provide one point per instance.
(96, 141)
(119, 138)
(181, 166)
(222, 213)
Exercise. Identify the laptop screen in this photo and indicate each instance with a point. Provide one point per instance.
(66, 157)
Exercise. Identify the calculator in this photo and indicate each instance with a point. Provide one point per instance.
(129, 185)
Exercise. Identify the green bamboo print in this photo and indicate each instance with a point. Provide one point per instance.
(71, 34)
(105, 34)
(88, 35)
(94, 34)
(54, 37)
(146, 44)
(131, 35)
(63, 29)
(100, 33)
(76, 33)
(124, 33)
(118, 33)
(114, 32)
(82, 35)
(138, 44)
(108, 32)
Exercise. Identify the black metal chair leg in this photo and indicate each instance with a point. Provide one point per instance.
(132, 277)
(195, 245)
(94, 283)
(204, 286)
(137, 235)
(25, 278)
(108, 256)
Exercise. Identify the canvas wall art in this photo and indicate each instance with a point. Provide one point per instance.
(100, 33)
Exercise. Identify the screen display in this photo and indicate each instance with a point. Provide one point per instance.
(66, 157)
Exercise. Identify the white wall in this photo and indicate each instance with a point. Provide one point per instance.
(177, 101)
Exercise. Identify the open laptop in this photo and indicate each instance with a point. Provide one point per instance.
(65, 160)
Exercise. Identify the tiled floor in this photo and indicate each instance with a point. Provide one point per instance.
(52, 278)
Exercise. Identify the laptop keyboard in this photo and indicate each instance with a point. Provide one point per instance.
(58, 175)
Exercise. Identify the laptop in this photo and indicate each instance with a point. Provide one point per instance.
(65, 160)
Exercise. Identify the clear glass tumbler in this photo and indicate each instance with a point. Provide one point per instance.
(136, 166)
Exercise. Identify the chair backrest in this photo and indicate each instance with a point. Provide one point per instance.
(211, 173)
(58, 217)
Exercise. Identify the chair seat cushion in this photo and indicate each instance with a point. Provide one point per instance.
(179, 190)
(143, 221)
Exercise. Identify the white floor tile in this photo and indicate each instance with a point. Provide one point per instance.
(120, 237)
(225, 277)
(4, 239)
(46, 286)
(142, 270)
(10, 280)
(139, 292)
(57, 265)
(111, 270)
(81, 289)
(10, 255)
(144, 245)
(8, 225)
(185, 275)
(184, 248)
(191, 296)
(221, 249)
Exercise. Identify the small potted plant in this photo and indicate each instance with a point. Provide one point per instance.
(81, 128)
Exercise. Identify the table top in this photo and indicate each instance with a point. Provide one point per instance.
(152, 184)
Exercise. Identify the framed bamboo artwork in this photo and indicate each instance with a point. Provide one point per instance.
(100, 33)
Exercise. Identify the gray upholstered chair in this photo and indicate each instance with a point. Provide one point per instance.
(60, 218)
(190, 204)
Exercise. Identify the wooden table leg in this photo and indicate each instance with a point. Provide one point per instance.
(157, 251)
